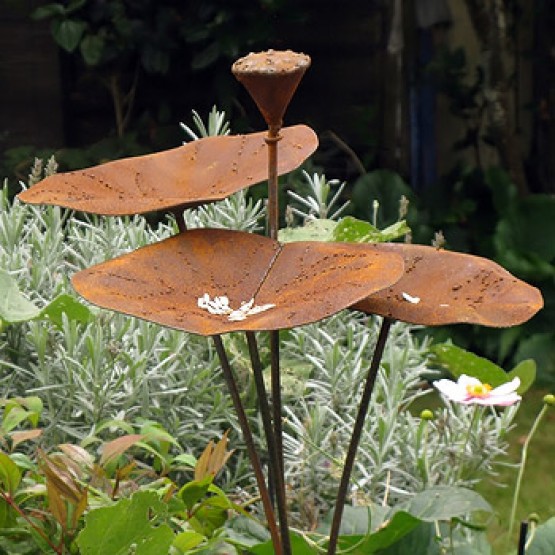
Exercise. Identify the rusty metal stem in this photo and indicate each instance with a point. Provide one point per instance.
(275, 462)
(356, 434)
(249, 442)
(273, 195)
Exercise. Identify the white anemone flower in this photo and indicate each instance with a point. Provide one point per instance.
(468, 390)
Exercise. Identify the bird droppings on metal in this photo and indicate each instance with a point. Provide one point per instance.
(298, 278)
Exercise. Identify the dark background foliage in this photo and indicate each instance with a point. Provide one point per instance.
(464, 128)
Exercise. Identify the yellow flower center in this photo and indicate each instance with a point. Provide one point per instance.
(480, 390)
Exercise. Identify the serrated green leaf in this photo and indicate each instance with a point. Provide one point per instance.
(14, 307)
(458, 361)
(313, 230)
(118, 528)
(526, 372)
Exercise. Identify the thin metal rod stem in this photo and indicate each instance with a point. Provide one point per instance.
(273, 193)
(249, 442)
(522, 537)
(179, 218)
(276, 468)
(356, 434)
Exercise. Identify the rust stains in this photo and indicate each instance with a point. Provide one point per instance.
(202, 171)
(297, 283)
(441, 287)
(271, 77)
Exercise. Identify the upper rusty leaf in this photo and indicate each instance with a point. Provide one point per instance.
(441, 287)
(203, 171)
(306, 281)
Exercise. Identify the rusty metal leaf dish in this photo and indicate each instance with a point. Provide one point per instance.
(209, 281)
(441, 287)
(202, 171)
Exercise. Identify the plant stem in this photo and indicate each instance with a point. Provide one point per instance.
(356, 434)
(249, 442)
(523, 458)
(8, 499)
(469, 434)
(276, 462)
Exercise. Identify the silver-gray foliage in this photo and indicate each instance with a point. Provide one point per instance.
(121, 368)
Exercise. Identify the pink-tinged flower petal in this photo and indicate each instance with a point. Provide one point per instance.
(506, 388)
(452, 390)
(469, 390)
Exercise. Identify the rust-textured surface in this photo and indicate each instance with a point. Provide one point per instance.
(441, 287)
(202, 171)
(306, 281)
(271, 77)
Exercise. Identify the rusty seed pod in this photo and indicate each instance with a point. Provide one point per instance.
(271, 77)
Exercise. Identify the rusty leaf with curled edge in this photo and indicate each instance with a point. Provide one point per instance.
(441, 287)
(202, 171)
(304, 282)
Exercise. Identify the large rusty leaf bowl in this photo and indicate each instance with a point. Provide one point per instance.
(206, 170)
(295, 284)
(441, 287)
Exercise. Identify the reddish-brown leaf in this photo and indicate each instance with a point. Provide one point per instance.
(203, 171)
(441, 287)
(306, 281)
(118, 446)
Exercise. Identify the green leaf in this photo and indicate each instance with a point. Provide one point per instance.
(125, 526)
(14, 307)
(299, 546)
(444, 503)
(68, 33)
(13, 418)
(68, 305)
(92, 48)
(50, 10)
(313, 230)
(192, 492)
(185, 541)
(10, 475)
(526, 372)
(351, 230)
(189, 461)
(544, 539)
(459, 361)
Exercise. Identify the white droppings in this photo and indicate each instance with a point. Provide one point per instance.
(411, 299)
(220, 306)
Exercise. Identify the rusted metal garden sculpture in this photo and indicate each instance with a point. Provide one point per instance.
(211, 282)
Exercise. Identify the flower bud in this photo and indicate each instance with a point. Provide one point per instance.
(427, 414)
(549, 400)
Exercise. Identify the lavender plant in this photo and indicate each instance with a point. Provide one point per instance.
(115, 369)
